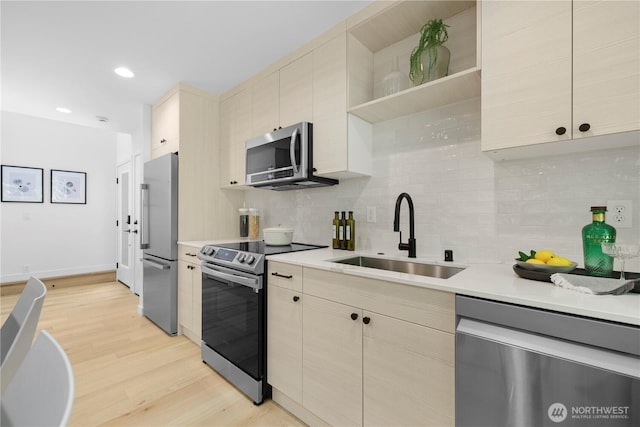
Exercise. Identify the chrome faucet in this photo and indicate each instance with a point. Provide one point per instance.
(411, 245)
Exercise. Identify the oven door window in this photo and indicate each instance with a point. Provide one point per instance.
(232, 321)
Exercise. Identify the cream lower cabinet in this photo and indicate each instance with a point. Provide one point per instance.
(332, 361)
(284, 329)
(408, 373)
(374, 353)
(189, 294)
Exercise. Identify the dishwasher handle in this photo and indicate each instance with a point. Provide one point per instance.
(596, 357)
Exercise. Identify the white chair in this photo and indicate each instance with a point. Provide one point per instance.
(42, 391)
(16, 335)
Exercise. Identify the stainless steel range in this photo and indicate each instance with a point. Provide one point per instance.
(234, 312)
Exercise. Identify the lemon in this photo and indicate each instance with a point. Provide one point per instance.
(559, 261)
(545, 255)
(534, 261)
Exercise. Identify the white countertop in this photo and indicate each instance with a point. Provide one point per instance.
(492, 281)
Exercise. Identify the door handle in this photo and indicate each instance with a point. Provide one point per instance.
(292, 150)
(144, 193)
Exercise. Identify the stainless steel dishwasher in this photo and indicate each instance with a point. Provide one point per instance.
(520, 366)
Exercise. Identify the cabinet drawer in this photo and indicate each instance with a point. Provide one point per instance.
(285, 275)
(427, 307)
(188, 254)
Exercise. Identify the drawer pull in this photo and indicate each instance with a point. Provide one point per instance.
(354, 316)
(296, 298)
(561, 130)
(366, 320)
(281, 275)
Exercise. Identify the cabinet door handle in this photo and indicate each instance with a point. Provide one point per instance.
(366, 320)
(561, 130)
(296, 298)
(584, 127)
(281, 275)
(354, 316)
(162, 141)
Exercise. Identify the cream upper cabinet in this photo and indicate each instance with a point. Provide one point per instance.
(606, 67)
(561, 70)
(235, 130)
(330, 139)
(296, 91)
(165, 125)
(266, 104)
(342, 143)
(204, 212)
(284, 97)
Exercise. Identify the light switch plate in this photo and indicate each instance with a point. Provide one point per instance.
(371, 214)
(620, 213)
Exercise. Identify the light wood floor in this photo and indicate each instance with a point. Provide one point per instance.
(128, 372)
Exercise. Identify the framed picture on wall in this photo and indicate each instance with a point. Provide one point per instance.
(22, 184)
(68, 187)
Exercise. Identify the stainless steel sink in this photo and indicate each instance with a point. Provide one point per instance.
(409, 267)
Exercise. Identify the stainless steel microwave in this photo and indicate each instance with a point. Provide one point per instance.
(283, 160)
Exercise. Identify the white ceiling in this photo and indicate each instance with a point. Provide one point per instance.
(63, 53)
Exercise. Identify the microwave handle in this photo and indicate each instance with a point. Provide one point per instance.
(292, 150)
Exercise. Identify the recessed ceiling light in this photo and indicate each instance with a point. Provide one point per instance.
(124, 72)
(63, 110)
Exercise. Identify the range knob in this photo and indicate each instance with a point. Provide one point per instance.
(250, 259)
(208, 250)
(241, 258)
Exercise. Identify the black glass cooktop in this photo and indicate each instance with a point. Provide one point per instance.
(259, 247)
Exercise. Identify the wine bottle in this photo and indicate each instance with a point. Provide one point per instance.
(341, 232)
(351, 232)
(336, 227)
(597, 263)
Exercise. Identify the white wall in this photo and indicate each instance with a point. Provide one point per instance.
(58, 239)
(484, 211)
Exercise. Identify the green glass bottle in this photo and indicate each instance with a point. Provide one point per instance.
(595, 262)
(336, 226)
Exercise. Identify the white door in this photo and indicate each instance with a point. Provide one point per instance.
(124, 222)
(135, 229)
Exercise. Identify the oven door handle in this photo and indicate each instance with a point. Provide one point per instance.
(244, 281)
(292, 150)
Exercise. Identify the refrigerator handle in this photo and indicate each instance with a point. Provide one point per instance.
(144, 211)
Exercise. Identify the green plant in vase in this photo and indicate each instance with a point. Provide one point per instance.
(435, 61)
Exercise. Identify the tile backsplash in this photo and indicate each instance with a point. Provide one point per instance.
(484, 211)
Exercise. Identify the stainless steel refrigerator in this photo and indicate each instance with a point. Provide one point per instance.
(159, 242)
